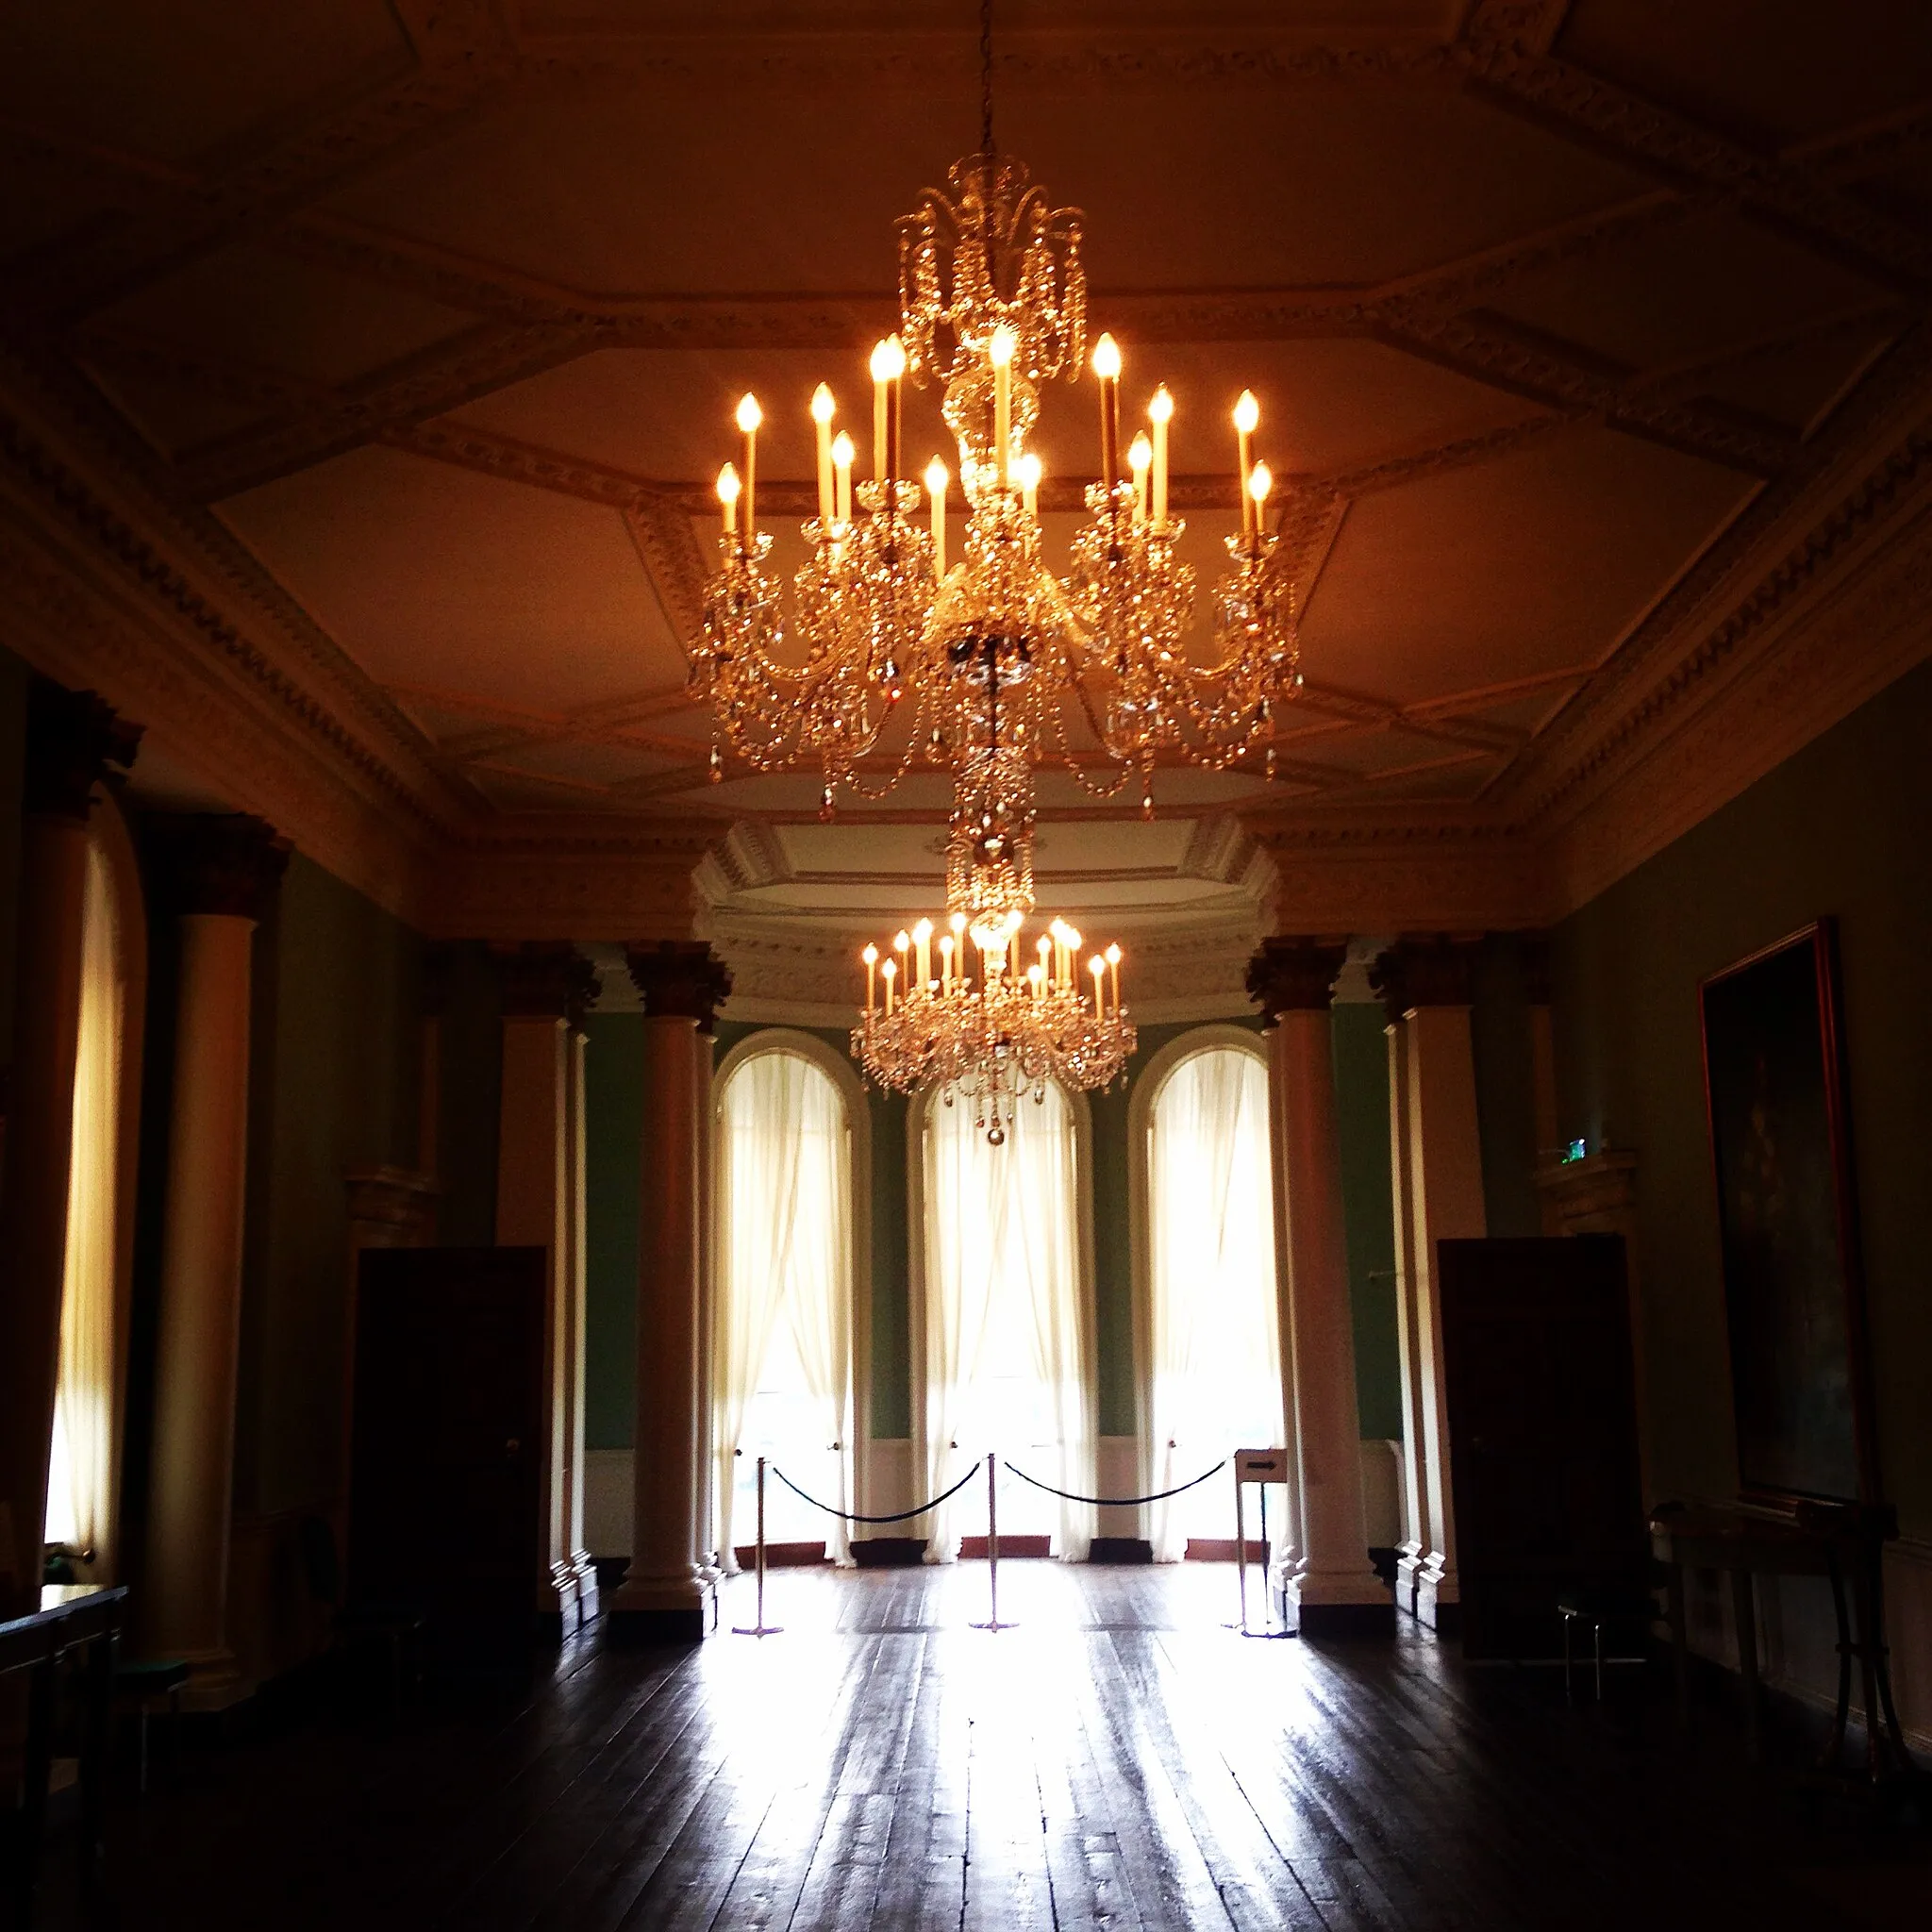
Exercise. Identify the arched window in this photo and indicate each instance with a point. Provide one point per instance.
(1007, 1342)
(84, 1459)
(1213, 1348)
(784, 1302)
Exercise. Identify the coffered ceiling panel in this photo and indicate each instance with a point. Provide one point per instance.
(262, 308)
(445, 579)
(1540, 559)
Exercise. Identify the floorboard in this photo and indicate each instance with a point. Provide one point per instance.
(1118, 1760)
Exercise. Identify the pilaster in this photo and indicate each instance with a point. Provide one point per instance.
(545, 988)
(1338, 1591)
(218, 871)
(1426, 980)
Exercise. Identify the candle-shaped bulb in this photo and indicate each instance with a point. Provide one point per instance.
(1096, 966)
(958, 922)
(749, 414)
(870, 955)
(821, 404)
(1003, 347)
(843, 450)
(1107, 360)
(1139, 454)
(1260, 483)
(1028, 471)
(922, 932)
(946, 945)
(1160, 408)
(729, 486)
(887, 359)
(1247, 412)
(1114, 956)
(901, 940)
(937, 477)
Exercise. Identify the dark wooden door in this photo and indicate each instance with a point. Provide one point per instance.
(1542, 1431)
(446, 1497)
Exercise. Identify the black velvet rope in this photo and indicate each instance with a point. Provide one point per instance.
(901, 1515)
(1121, 1502)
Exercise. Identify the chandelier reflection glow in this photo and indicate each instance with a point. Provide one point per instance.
(987, 665)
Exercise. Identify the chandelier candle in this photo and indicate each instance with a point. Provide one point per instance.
(1029, 469)
(843, 454)
(1139, 456)
(727, 500)
(822, 411)
(1106, 366)
(1160, 413)
(937, 477)
(749, 417)
(1260, 480)
(1000, 352)
(1247, 413)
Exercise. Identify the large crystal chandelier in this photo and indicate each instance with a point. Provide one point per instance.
(898, 649)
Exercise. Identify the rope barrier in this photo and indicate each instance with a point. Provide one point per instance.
(1119, 1502)
(901, 1515)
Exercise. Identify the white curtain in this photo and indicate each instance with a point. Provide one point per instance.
(784, 1178)
(1216, 1346)
(1007, 1338)
(81, 1467)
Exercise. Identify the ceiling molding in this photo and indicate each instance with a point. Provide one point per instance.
(1511, 71)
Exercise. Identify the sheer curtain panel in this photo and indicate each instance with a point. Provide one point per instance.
(80, 1470)
(784, 1278)
(1215, 1380)
(1008, 1342)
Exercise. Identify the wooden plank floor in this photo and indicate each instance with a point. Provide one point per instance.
(1118, 1760)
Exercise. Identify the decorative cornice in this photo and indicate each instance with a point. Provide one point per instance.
(1432, 970)
(679, 979)
(223, 863)
(1295, 974)
(72, 739)
(546, 980)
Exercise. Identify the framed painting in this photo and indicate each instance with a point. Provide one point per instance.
(1774, 1089)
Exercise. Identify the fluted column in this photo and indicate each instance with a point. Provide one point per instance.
(1414, 1545)
(663, 1594)
(576, 1181)
(1292, 981)
(72, 740)
(545, 988)
(220, 871)
(1427, 981)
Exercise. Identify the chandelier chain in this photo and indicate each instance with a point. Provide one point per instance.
(985, 77)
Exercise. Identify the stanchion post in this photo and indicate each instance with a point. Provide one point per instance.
(760, 1628)
(1240, 1546)
(992, 1542)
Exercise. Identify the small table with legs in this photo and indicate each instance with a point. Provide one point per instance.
(72, 1617)
(1840, 1541)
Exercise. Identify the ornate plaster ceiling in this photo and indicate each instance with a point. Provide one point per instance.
(436, 311)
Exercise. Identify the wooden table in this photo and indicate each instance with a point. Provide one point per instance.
(72, 1617)
(1842, 1543)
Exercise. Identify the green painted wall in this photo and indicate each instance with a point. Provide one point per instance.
(1361, 1108)
(1505, 1088)
(613, 1121)
(14, 678)
(469, 1096)
(336, 1063)
(1843, 828)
